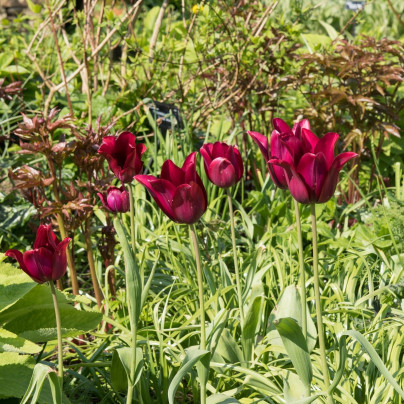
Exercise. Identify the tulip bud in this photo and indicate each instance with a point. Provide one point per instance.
(223, 164)
(47, 261)
(115, 200)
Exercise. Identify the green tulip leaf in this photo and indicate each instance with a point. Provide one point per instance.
(193, 355)
(296, 347)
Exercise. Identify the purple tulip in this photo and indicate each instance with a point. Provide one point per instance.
(285, 144)
(124, 155)
(179, 192)
(47, 261)
(115, 200)
(309, 166)
(223, 164)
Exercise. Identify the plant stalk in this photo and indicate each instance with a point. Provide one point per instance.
(59, 334)
(97, 289)
(302, 271)
(321, 339)
(236, 269)
(201, 301)
(132, 218)
(133, 325)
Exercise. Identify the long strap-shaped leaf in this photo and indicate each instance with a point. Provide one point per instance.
(191, 358)
(40, 373)
(296, 347)
(373, 355)
(133, 280)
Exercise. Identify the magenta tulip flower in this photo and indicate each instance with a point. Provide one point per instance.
(301, 161)
(47, 261)
(115, 200)
(179, 192)
(124, 155)
(223, 164)
(285, 144)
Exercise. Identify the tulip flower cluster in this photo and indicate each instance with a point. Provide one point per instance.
(300, 161)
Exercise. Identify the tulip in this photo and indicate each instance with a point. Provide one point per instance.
(115, 200)
(285, 145)
(179, 192)
(47, 261)
(313, 177)
(223, 164)
(124, 155)
(302, 162)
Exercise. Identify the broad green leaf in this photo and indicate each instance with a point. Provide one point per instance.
(221, 399)
(228, 348)
(296, 347)
(121, 365)
(193, 355)
(33, 316)
(14, 284)
(133, 280)
(295, 391)
(289, 305)
(41, 371)
(375, 359)
(10, 342)
(15, 374)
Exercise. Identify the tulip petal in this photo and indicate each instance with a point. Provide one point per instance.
(330, 183)
(298, 126)
(219, 149)
(59, 260)
(38, 264)
(281, 126)
(326, 145)
(190, 174)
(313, 170)
(296, 185)
(189, 168)
(41, 239)
(262, 143)
(17, 255)
(107, 146)
(205, 151)
(222, 173)
(234, 156)
(188, 203)
(171, 172)
(103, 199)
(290, 149)
(162, 192)
(298, 190)
(309, 140)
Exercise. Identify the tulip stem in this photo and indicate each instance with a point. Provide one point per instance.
(236, 269)
(201, 302)
(59, 333)
(132, 218)
(302, 271)
(321, 339)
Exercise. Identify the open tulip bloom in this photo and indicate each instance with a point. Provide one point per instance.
(123, 154)
(223, 164)
(302, 162)
(47, 261)
(179, 192)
